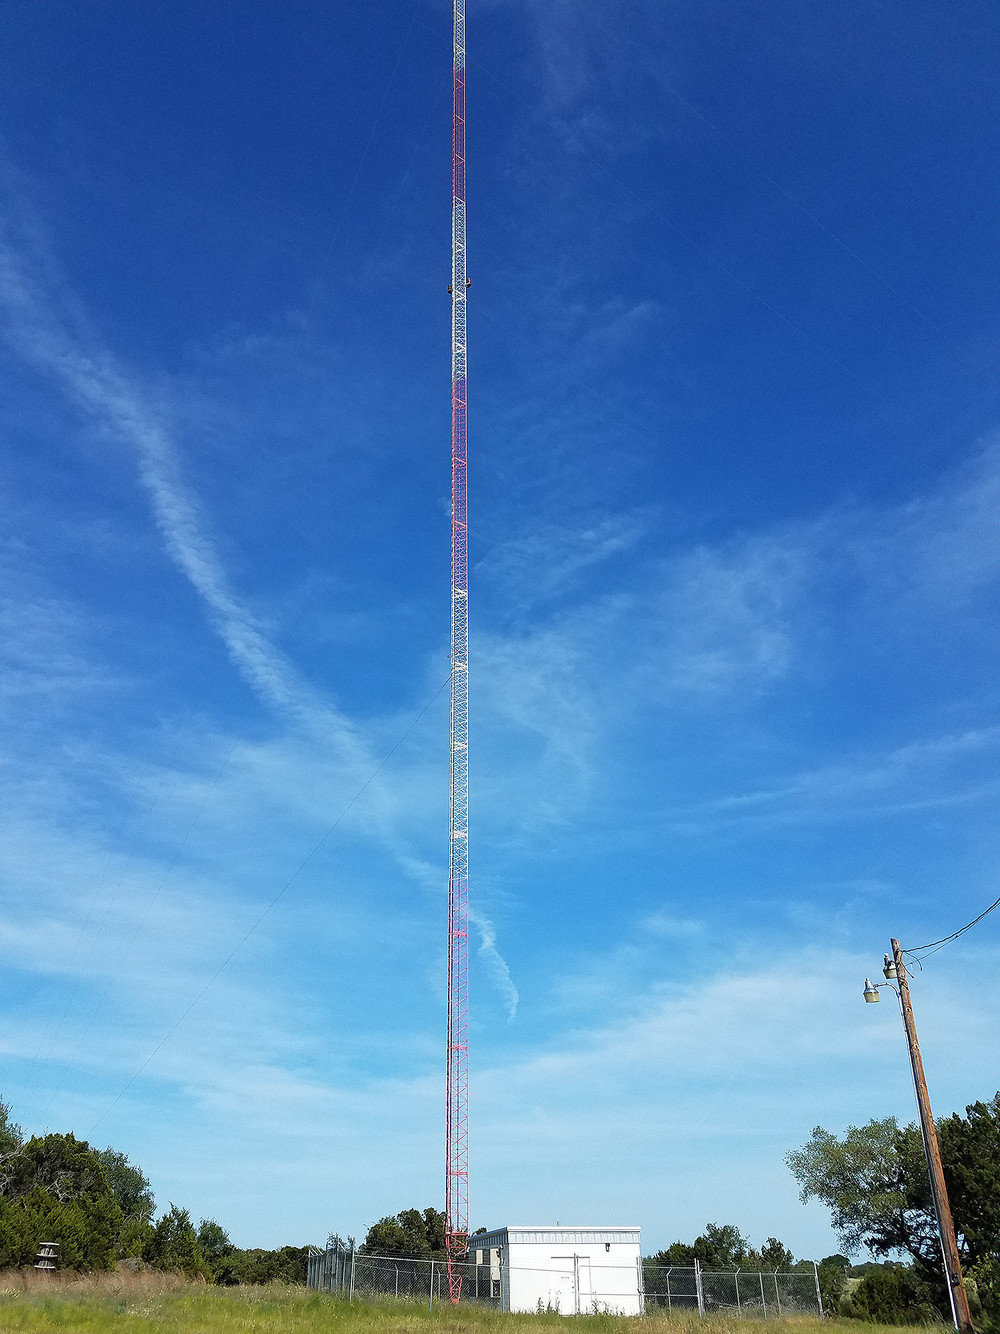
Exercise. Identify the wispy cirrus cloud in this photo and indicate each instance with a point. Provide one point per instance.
(552, 559)
(496, 964)
(919, 775)
(45, 325)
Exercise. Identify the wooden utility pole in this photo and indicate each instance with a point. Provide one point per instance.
(946, 1228)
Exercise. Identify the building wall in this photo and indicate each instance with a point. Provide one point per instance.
(572, 1270)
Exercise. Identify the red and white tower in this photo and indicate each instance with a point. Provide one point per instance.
(457, 1139)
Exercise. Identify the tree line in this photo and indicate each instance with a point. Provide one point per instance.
(99, 1208)
(874, 1181)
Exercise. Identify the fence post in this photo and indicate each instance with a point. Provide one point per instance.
(669, 1268)
(351, 1297)
(430, 1305)
(760, 1275)
(777, 1295)
(397, 1280)
(819, 1295)
(739, 1309)
(698, 1288)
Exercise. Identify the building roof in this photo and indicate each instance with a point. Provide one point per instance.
(545, 1233)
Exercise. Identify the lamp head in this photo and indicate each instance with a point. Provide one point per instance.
(871, 992)
(889, 967)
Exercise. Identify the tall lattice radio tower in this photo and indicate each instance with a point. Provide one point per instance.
(457, 1139)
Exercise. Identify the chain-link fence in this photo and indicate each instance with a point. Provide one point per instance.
(342, 1269)
(747, 1292)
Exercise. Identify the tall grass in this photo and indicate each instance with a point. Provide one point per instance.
(154, 1303)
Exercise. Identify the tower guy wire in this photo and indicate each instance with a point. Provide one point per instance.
(457, 1109)
(268, 907)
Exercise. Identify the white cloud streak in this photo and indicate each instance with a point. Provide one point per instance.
(89, 376)
(63, 347)
(496, 964)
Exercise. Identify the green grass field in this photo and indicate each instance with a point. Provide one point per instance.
(141, 1304)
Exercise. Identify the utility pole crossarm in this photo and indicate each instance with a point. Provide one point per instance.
(942, 1209)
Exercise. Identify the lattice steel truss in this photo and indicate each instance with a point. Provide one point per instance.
(457, 1147)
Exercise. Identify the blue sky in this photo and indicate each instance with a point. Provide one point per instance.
(734, 483)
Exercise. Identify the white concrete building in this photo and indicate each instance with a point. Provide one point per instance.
(574, 1270)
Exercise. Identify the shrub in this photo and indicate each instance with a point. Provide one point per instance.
(174, 1245)
(285, 1265)
(891, 1296)
(986, 1278)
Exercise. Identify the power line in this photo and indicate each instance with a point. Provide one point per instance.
(946, 940)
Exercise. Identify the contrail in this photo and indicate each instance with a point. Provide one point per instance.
(91, 379)
(46, 326)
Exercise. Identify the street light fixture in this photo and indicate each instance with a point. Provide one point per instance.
(895, 972)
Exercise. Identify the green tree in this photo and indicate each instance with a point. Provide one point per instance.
(55, 1188)
(720, 1246)
(174, 1245)
(970, 1154)
(985, 1275)
(129, 1185)
(410, 1234)
(132, 1190)
(833, 1272)
(65, 1166)
(287, 1264)
(678, 1253)
(213, 1240)
(434, 1230)
(775, 1255)
(874, 1181)
(11, 1135)
(891, 1295)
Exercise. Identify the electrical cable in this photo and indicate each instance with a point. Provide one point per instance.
(256, 923)
(946, 940)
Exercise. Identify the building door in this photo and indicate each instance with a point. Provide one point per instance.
(563, 1290)
(584, 1288)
